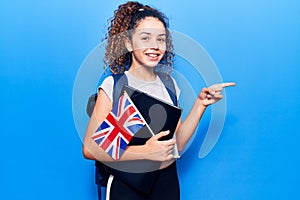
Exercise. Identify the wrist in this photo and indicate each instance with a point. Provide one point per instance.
(200, 104)
(137, 152)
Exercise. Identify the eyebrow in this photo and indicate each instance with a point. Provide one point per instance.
(147, 33)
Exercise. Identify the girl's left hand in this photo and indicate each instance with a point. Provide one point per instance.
(213, 94)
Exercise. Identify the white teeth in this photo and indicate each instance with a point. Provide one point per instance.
(152, 55)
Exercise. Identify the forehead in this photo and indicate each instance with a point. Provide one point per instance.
(150, 25)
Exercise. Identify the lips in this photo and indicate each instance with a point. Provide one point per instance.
(153, 56)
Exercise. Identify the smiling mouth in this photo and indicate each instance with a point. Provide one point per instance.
(153, 55)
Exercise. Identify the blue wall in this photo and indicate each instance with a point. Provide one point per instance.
(255, 43)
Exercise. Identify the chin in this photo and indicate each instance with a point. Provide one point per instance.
(151, 65)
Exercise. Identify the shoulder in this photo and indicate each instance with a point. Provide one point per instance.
(108, 81)
(113, 82)
(107, 86)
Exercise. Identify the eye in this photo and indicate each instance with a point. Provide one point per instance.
(161, 39)
(145, 38)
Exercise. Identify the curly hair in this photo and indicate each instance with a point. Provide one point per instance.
(125, 19)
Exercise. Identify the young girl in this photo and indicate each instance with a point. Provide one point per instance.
(139, 45)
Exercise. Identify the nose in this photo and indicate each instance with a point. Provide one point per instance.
(154, 44)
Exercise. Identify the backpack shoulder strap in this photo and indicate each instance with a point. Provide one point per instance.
(169, 84)
(119, 81)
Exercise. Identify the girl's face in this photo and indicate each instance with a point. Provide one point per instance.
(148, 43)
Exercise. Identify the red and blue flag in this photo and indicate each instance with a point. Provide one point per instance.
(121, 124)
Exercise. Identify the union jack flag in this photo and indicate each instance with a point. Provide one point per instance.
(116, 131)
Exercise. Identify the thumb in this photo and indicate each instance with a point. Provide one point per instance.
(203, 93)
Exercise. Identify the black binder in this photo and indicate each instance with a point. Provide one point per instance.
(160, 116)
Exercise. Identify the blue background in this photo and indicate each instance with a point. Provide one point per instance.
(254, 43)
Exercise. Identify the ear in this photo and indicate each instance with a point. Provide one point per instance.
(128, 44)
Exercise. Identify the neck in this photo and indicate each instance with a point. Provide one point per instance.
(143, 73)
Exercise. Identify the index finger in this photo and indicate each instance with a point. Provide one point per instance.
(228, 84)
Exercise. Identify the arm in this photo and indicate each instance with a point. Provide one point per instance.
(152, 150)
(206, 97)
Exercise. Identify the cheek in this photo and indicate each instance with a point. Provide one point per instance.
(162, 51)
(138, 45)
(163, 47)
